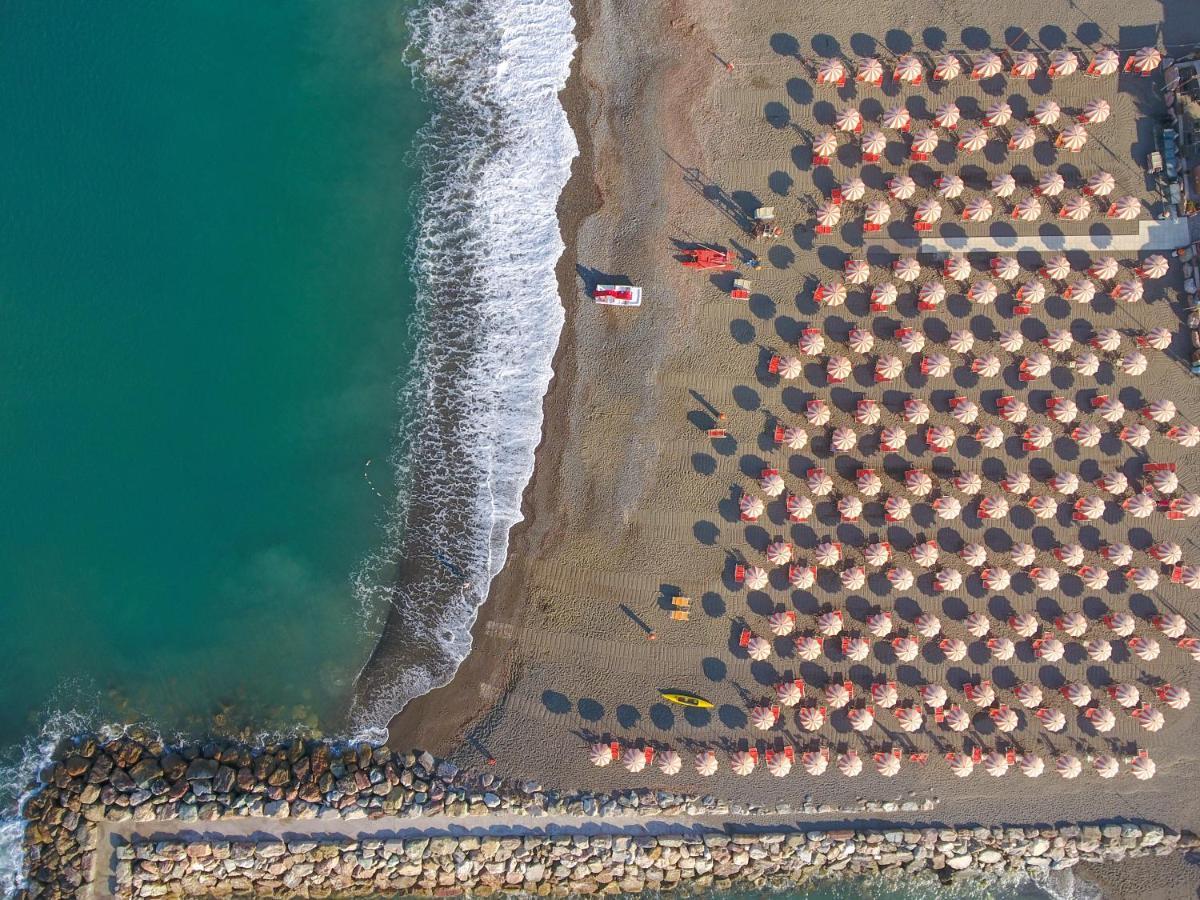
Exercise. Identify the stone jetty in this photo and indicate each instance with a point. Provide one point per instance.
(146, 820)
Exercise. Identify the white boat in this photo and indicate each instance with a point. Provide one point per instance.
(617, 295)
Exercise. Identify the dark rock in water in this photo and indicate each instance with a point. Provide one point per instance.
(75, 765)
(279, 777)
(173, 766)
(263, 766)
(301, 768)
(102, 767)
(202, 769)
(245, 778)
(319, 760)
(224, 780)
(144, 772)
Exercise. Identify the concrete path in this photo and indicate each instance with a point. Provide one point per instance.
(1165, 234)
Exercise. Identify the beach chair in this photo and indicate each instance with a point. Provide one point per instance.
(1010, 755)
(773, 365)
(939, 715)
(1188, 643)
(824, 229)
(918, 156)
(615, 749)
(717, 433)
(649, 755)
(919, 758)
(872, 227)
(744, 639)
(789, 753)
(869, 158)
(769, 756)
(1022, 310)
(1028, 447)
(739, 573)
(775, 712)
(845, 644)
(976, 754)
(1177, 575)
(849, 686)
(799, 683)
(820, 160)
(1158, 467)
(778, 433)
(923, 226)
(679, 615)
(681, 602)
(739, 294)
(768, 472)
(835, 196)
(753, 751)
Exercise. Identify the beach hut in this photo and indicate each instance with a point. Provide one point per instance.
(1068, 766)
(831, 71)
(1063, 62)
(870, 71)
(1076, 209)
(947, 116)
(1072, 138)
(1105, 62)
(1100, 184)
(1025, 65)
(1022, 138)
(973, 139)
(947, 68)
(1045, 113)
(987, 65)
(1095, 111)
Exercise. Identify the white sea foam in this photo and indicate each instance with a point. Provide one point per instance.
(495, 155)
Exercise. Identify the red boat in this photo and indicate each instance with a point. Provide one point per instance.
(705, 258)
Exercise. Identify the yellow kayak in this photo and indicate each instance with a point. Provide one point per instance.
(686, 699)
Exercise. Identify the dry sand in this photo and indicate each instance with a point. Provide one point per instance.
(631, 504)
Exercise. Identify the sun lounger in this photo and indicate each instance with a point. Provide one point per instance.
(1022, 310)
(778, 433)
(739, 294)
(918, 156)
(717, 433)
(820, 160)
(744, 640)
(1010, 755)
(649, 755)
(679, 615)
(768, 472)
(1158, 467)
(939, 715)
(1177, 575)
(923, 226)
(919, 758)
(773, 365)
(681, 602)
(870, 158)
(789, 753)
(835, 196)
(872, 227)
(739, 573)
(976, 754)
(753, 751)
(616, 749)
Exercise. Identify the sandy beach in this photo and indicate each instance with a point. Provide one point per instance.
(632, 504)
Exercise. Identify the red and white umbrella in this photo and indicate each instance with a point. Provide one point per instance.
(1106, 766)
(1031, 291)
(901, 187)
(906, 268)
(1012, 409)
(1188, 504)
(1168, 553)
(829, 623)
(1027, 209)
(874, 142)
(790, 368)
(897, 117)
(1031, 765)
(831, 71)
(820, 484)
(1052, 720)
(983, 292)
(1005, 719)
(930, 294)
(977, 625)
(928, 210)
(850, 509)
(1105, 268)
(795, 438)
(1023, 554)
(1172, 625)
(843, 439)
(762, 718)
(1174, 696)
(909, 69)
(1049, 649)
(1025, 64)
(948, 67)
(870, 71)
(974, 555)
(1125, 694)
(1165, 482)
(1063, 62)
(878, 212)
(935, 365)
(867, 412)
(1149, 718)
(1037, 365)
(906, 649)
(978, 209)
(934, 695)
(1081, 290)
(634, 759)
(1016, 483)
(982, 695)
(1110, 409)
(887, 764)
(1005, 267)
(909, 718)
(850, 763)
(1086, 364)
(1146, 60)
(956, 268)
(877, 553)
(825, 145)
(1004, 185)
(1155, 266)
(782, 625)
(861, 719)
(771, 484)
(1063, 409)
(916, 411)
(897, 509)
(1077, 693)
(759, 648)
(1129, 290)
(814, 762)
(1126, 208)
(1023, 137)
(1046, 113)
(987, 65)
(1043, 507)
(1184, 435)
(1105, 62)
(1122, 625)
(1028, 694)
(1107, 339)
(973, 139)
(1144, 648)
(1095, 111)
(828, 215)
(1057, 268)
(706, 763)
(756, 578)
(1076, 209)
(960, 764)
(918, 482)
(1157, 338)
(1038, 437)
(853, 189)
(779, 553)
(1068, 766)
(910, 340)
(1002, 648)
(779, 765)
(993, 507)
(1143, 768)
(742, 763)
(799, 508)
(1101, 184)
(1072, 138)
(954, 649)
(961, 340)
(751, 506)
(601, 754)
(995, 764)
(669, 762)
(880, 623)
(964, 410)
(986, 366)
(1098, 650)
(1071, 555)
(856, 271)
(808, 648)
(888, 368)
(925, 554)
(848, 119)
(1133, 363)
(817, 411)
(1090, 508)
(997, 114)
(1143, 578)
(1046, 579)
(949, 186)
(1065, 483)
(836, 695)
(995, 579)
(947, 116)
(1025, 625)
(947, 507)
(925, 140)
(1094, 577)
(947, 580)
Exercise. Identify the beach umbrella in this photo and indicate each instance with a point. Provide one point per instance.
(925, 140)
(830, 623)
(789, 693)
(1105, 268)
(854, 189)
(1081, 290)
(1140, 506)
(880, 624)
(781, 624)
(868, 483)
(897, 509)
(982, 292)
(986, 366)
(1149, 718)
(947, 116)
(817, 411)
(1185, 435)
(802, 577)
(870, 71)
(1025, 625)
(1072, 138)
(1031, 765)
(928, 210)
(849, 119)
(1046, 579)
(706, 763)
(1023, 554)
(861, 719)
(936, 365)
(874, 142)
(1125, 694)
(779, 553)
(812, 342)
(1028, 209)
(1005, 267)
(799, 508)
(957, 268)
(949, 186)
(1172, 625)
(669, 762)
(1101, 184)
(1032, 291)
(1130, 290)
(978, 209)
(916, 411)
(960, 764)
(836, 695)
(821, 484)
(861, 340)
(884, 694)
(856, 270)
(1189, 577)
(1188, 504)
(928, 625)
(878, 212)
(779, 765)
(844, 439)
(771, 484)
(910, 340)
(1071, 555)
(1023, 137)
(1025, 64)
(1158, 338)
(762, 718)
(897, 117)
(982, 694)
(849, 763)
(1004, 719)
(1076, 209)
(828, 215)
(1002, 648)
(906, 649)
(1064, 409)
(795, 438)
(838, 368)
(1095, 111)
(825, 145)
(929, 295)
(987, 64)
(1137, 435)
(995, 764)
(756, 578)
(918, 482)
(1077, 693)
(901, 187)
(808, 648)
(742, 763)
(850, 508)
(909, 69)
(964, 410)
(1044, 507)
(1057, 268)
(1146, 60)
(752, 507)
(1098, 650)
(814, 762)
(1122, 624)
(1168, 553)
(634, 759)
(877, 553)
(909, 719)
(925, 554)
(1111, 410)
(1105, 62)
(974, 555)
(1052, 720)
(1143, 768)
(1144, 648)
(1068, 766)
(1174, 696)
(831, 71)
(600, 754)
(954, 649)
(790, 368)
(1086, 364)
(1065, 482)
(883, 295)
(978, 625)
(993, 507)
(1063, 62)
(1126, 208)
(759, 648)
(1155, 266)
(867, 412)
(1133, 363)
(934, 695)
(1089, 508)
(893, 437)
(1107, 339)
(997, 114)
(1038, 437)
(948, 67)
(1016, 483)
(1165, 482)
(1028, 694)
(1106, 766)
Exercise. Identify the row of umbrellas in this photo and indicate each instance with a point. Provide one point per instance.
(909, 69)
(1006, 268)
(948, 116)
(930, 294)
(878, 212)
(972, 139)
(851, 764)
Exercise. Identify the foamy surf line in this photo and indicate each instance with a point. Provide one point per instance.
(495, 157)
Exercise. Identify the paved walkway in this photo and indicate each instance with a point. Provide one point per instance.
(1164, 234)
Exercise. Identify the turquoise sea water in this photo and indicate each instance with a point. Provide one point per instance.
(206, 208)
